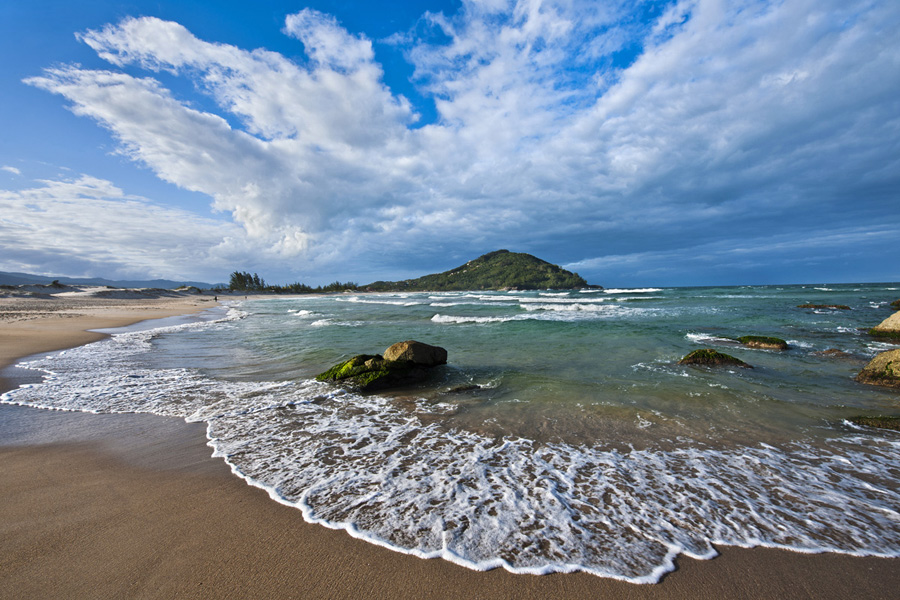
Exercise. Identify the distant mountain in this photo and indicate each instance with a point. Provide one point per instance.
(497, 270)
(27, 278)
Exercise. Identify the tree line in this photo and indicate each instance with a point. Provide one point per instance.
(242, 281)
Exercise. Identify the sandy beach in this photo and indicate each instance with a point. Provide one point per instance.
(132, 506)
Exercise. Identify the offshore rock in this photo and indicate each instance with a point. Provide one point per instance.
(710, 358)
(405, 363)
(417, 353)
(879, 422)
(825, 306)
(883, 370)
(763, 342)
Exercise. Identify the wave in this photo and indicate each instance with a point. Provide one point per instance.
(708, 338)
(455, 319)
(369, 466)
(362, 464)
(358, 300)
(632, 290)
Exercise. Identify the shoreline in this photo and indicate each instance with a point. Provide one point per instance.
(134, 505)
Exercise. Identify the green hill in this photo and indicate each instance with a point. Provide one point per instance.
(493, 271)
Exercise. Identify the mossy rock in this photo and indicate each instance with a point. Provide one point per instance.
(879, 422)
(825, 306)
(895, 305)
(710, 358)
(764, 342)
(368, 373)
(889, 336)
(882, 370)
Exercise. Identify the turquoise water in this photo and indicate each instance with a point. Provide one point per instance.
(562, 435)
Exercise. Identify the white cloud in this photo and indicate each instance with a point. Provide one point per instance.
(12, 170)
(89, 226)
(731, 117)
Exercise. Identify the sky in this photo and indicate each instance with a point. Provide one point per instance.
(676, 143)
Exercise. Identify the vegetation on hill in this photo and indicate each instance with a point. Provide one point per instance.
(497, 270)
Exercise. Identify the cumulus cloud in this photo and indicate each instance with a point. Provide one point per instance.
(88, 226)
(575, 127)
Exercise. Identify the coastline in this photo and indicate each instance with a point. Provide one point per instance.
(133, 505)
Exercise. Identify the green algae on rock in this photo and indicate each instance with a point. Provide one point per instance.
(888, 329)
(764, 342)
(882, 370)
(710, 358)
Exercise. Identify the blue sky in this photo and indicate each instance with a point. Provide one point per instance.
(638, 143)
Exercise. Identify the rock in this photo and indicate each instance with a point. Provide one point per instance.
(417, 353)
(710, 358)
(895, 305)
(403, 364)
(879, 422)
(884, 370)
(761, 341)
(826, 306)
(889, 328)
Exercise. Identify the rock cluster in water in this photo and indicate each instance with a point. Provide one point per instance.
(825, 306)
(404, 363)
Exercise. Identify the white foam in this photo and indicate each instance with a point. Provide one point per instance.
(358, 300)
(708, 338)
(632, 290)
(438, 318)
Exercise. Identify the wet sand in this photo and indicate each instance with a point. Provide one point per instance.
(133, 506)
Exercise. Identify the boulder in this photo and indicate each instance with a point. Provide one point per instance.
(417, 353)
(764, 342)
(710, 358)
(895, 305)
(405, 363)
(889, 328)
(884, 370)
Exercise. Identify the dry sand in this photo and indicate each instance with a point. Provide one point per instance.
(132, 506)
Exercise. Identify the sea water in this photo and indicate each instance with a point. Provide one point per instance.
(562, 435)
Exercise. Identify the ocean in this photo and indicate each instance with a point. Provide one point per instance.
(561, 436)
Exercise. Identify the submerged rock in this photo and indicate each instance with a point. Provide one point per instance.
(834, 353)
(825, 306)
(403, 364)
(883, 370)
(889, 328)
(764, 342)
(879, 422)
(710, 358)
